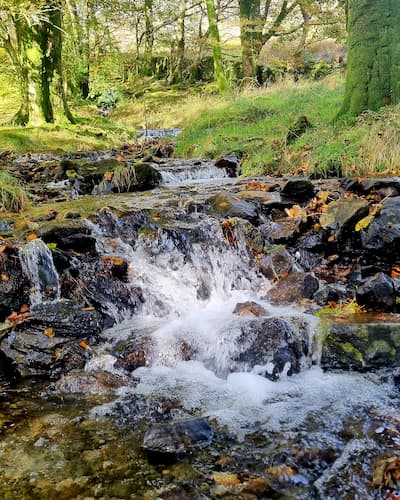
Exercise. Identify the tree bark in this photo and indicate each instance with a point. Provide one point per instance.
(373, 70)
(222, 82)
(251, 26)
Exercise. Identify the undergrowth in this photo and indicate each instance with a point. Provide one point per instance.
(13, 197)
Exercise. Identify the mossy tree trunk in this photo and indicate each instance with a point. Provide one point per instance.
(373, 70)
(219, 72)
(38, 59)
(148, 37)
(251, 26)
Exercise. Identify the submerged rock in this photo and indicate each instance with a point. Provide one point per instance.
(177, 438)
(362, 343)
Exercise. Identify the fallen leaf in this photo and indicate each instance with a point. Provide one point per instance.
(87, 309)
(12, 317)
(24, 308)
(296, 212)
(49, 332)
(226, 479)
(32, 236)
(4, 277)
(84, 345)
(364, 223)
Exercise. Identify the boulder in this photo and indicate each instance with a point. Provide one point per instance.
(249, 308)
(294, 288)
(377, 293)
(177, 438)
(343, 214)
(269, 341)
(228, 205)
(13, 284)
(298, 189)
(383, 234)
(277, 264)
(49, 341)
(230, 164)
(362, 342)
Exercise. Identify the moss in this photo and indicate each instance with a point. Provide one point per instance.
(351, 351)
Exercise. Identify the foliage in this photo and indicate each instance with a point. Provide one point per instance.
(13, 197)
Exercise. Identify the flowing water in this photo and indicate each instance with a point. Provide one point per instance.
(306, 435)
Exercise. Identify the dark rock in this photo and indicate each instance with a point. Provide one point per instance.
(383, 234)
(270, 341)
(282, 231)
(362, 343)
(249, 308)
(333, 293)
(297, 129)
(85, 175)
(375, 184)
(228, 205)
(13, 286)
(177, 438)
(133, 360)
(231, 164)
(343, 214)
(299, 189)
(277, 264)
(236, 229)
(377, 293)
(48, 342)
(294, 288)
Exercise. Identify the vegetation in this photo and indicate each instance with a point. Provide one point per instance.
(13, 197)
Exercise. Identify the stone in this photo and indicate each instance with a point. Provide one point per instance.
(228, 205)
(231, 165)
(269, 341)
(249, 308)
(363, 342)
(383, 234)
(377, 293)
(298, 189)
(297, 129)
(294, 288)
(342, 215)
(48, 342)
(13, 284)
(333, 292)
(94, 382)
(177, 438)
(282, 231)
(277, 264)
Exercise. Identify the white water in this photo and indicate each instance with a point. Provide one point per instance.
(180, 171)
(38, 266)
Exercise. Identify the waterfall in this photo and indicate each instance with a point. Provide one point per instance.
(38, 266)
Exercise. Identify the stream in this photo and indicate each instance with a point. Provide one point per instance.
(189, 349)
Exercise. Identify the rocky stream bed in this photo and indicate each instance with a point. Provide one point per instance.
(172, 330)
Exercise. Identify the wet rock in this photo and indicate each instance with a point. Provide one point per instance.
(299, 189)
(229, 205)
(177, 438)
(383, 234)
(49, 341)
(294, 288)
(377, 293)
(249, 308)
(343, 214)
(236, 229)
(277, 264)
(333, 292)
(297, 129)
(390, 184)
(272, 342)
(13, 284)
(71, 235)
(231, 164)
(132, 360)
(85, 175)
(362, 343)
(94, 382)
(282, 231)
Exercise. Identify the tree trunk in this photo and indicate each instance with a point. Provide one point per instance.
(148, 37)
(251, 25)
(219, 73)
(373, 71)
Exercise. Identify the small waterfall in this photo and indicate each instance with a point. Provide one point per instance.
(180, 171)
(37, 263)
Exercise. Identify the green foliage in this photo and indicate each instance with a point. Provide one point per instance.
(13, 198)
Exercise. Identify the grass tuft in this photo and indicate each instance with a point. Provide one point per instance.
(13, 197)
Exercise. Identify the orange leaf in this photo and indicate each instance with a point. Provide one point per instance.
(331, 238)
(50, 333)
(4, 277)
(13, 317)
(32, 237)
(24, 308)
(83, 344)
(5, 247)
(87, 309)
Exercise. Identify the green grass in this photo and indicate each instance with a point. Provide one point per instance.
(13, 197)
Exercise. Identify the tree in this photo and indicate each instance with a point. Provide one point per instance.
(33, 39)
(373, 71)
(219, 73)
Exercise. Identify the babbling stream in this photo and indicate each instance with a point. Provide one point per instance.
(197, 386)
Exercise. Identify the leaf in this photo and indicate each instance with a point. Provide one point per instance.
(24, 308)
(108, 176)
(87, 309)
(296, 212)
(364, 223)
(49, 332)
(4, 277)
(226, 479)
(7, 246)
(32, 236)
(12, 317)
(52, 246)
(84, 345)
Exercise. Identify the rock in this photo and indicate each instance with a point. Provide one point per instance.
(94, 382)
(363, 342)
(343, 214)
(377, 293)
(236, 229)
(136, 177)
(383, 234)
(231, 164)
(13, 284)
(249, 309)
(48, 342)
(282, 231)
(229, 205)
(269, 341)
(333, 292)
(177, 438)
(71, 235)
(376, 184)
(297, 129)
(132, 360)
(294, 288)
(298, 189)
(84, 175)
(277, 264)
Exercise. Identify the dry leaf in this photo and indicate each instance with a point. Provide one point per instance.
(4, 277)
(296, 212)
(32, 236)
(87, 309)
(226, 479)
(364, 223)
(49, 332)
(84, 345)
